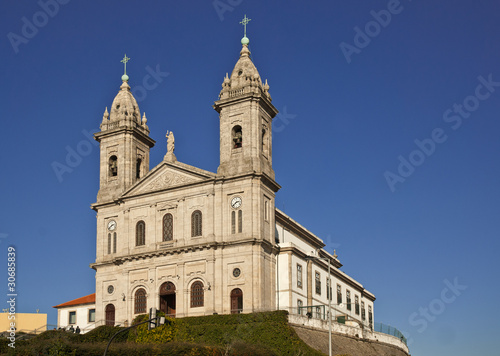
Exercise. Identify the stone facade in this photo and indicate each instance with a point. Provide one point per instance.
(179, 238)
(192, 242)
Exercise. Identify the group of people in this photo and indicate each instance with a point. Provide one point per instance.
(71, 329)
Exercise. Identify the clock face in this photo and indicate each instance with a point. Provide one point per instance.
(236, 202)
(111, 225)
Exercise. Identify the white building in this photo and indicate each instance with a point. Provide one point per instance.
(78, 312)
(302, 278)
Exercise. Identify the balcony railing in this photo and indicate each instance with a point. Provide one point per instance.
(390, 330)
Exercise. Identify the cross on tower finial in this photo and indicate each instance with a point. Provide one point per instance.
(245, 22)
(124, 61)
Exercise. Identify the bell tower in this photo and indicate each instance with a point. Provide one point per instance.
(246, 179)
(246, 115)
(124, 144)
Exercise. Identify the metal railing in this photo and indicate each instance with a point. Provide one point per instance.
(23, 333)
(390, 330)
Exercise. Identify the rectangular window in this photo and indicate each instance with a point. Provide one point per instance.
(233, 222)
(114, 242)
(72, 317)
(299, 306)
(299, 276)
(328, 289)
(356, 304)
(318, 312)
(370, 314)
(363, 316)
(240, 221)
(91, 315)
(348, 299)
(266, 209)
(318, 283)
(339, 294)
(109, 244)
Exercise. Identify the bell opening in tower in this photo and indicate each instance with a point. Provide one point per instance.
(237, 137)
(113, 166)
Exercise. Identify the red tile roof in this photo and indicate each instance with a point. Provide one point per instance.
(88, 299)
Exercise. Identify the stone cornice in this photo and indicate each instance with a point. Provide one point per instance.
(125, 129)
(182, 249)
(268, 181)
(293, 226)
(262, 100)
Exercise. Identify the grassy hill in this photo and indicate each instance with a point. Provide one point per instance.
(238, 334)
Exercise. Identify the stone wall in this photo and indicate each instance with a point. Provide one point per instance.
(346, 339)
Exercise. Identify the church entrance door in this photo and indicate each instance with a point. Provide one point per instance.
(236, 301)
(167, 299)
(109, 314)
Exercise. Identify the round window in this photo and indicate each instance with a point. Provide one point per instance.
(111, 289)
(236, 272)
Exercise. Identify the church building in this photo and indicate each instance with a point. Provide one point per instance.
(191, 242)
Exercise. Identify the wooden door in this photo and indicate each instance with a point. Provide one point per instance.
(110, 315)
(236, 301)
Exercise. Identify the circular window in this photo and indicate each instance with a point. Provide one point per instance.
(236, 272)
(111, 289)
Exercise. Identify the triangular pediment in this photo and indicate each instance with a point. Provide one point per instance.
(168, 175)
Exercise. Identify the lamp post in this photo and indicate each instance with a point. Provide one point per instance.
(329, 295)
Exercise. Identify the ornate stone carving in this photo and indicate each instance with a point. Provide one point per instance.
(167, 180)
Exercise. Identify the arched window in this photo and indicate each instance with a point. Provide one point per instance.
(299, 306)
(197, 294)
(140, 305)
(237, 136)
(168, 227)
(196, 223)
(113, 166)
(264, 140)
(109, 313)
(138, 168)
(240, 221)
(114, 242)
(236, 227)
(140, 233)
(233, 222)
(109, 244)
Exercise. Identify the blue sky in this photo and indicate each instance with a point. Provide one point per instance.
(385, 145)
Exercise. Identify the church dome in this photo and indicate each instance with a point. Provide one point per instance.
(244, 71)
(124, 107)
(244, 79)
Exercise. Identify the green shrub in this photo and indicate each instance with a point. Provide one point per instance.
(104, 333)
(265, 334)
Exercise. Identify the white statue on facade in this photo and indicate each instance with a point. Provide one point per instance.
(170, 147)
